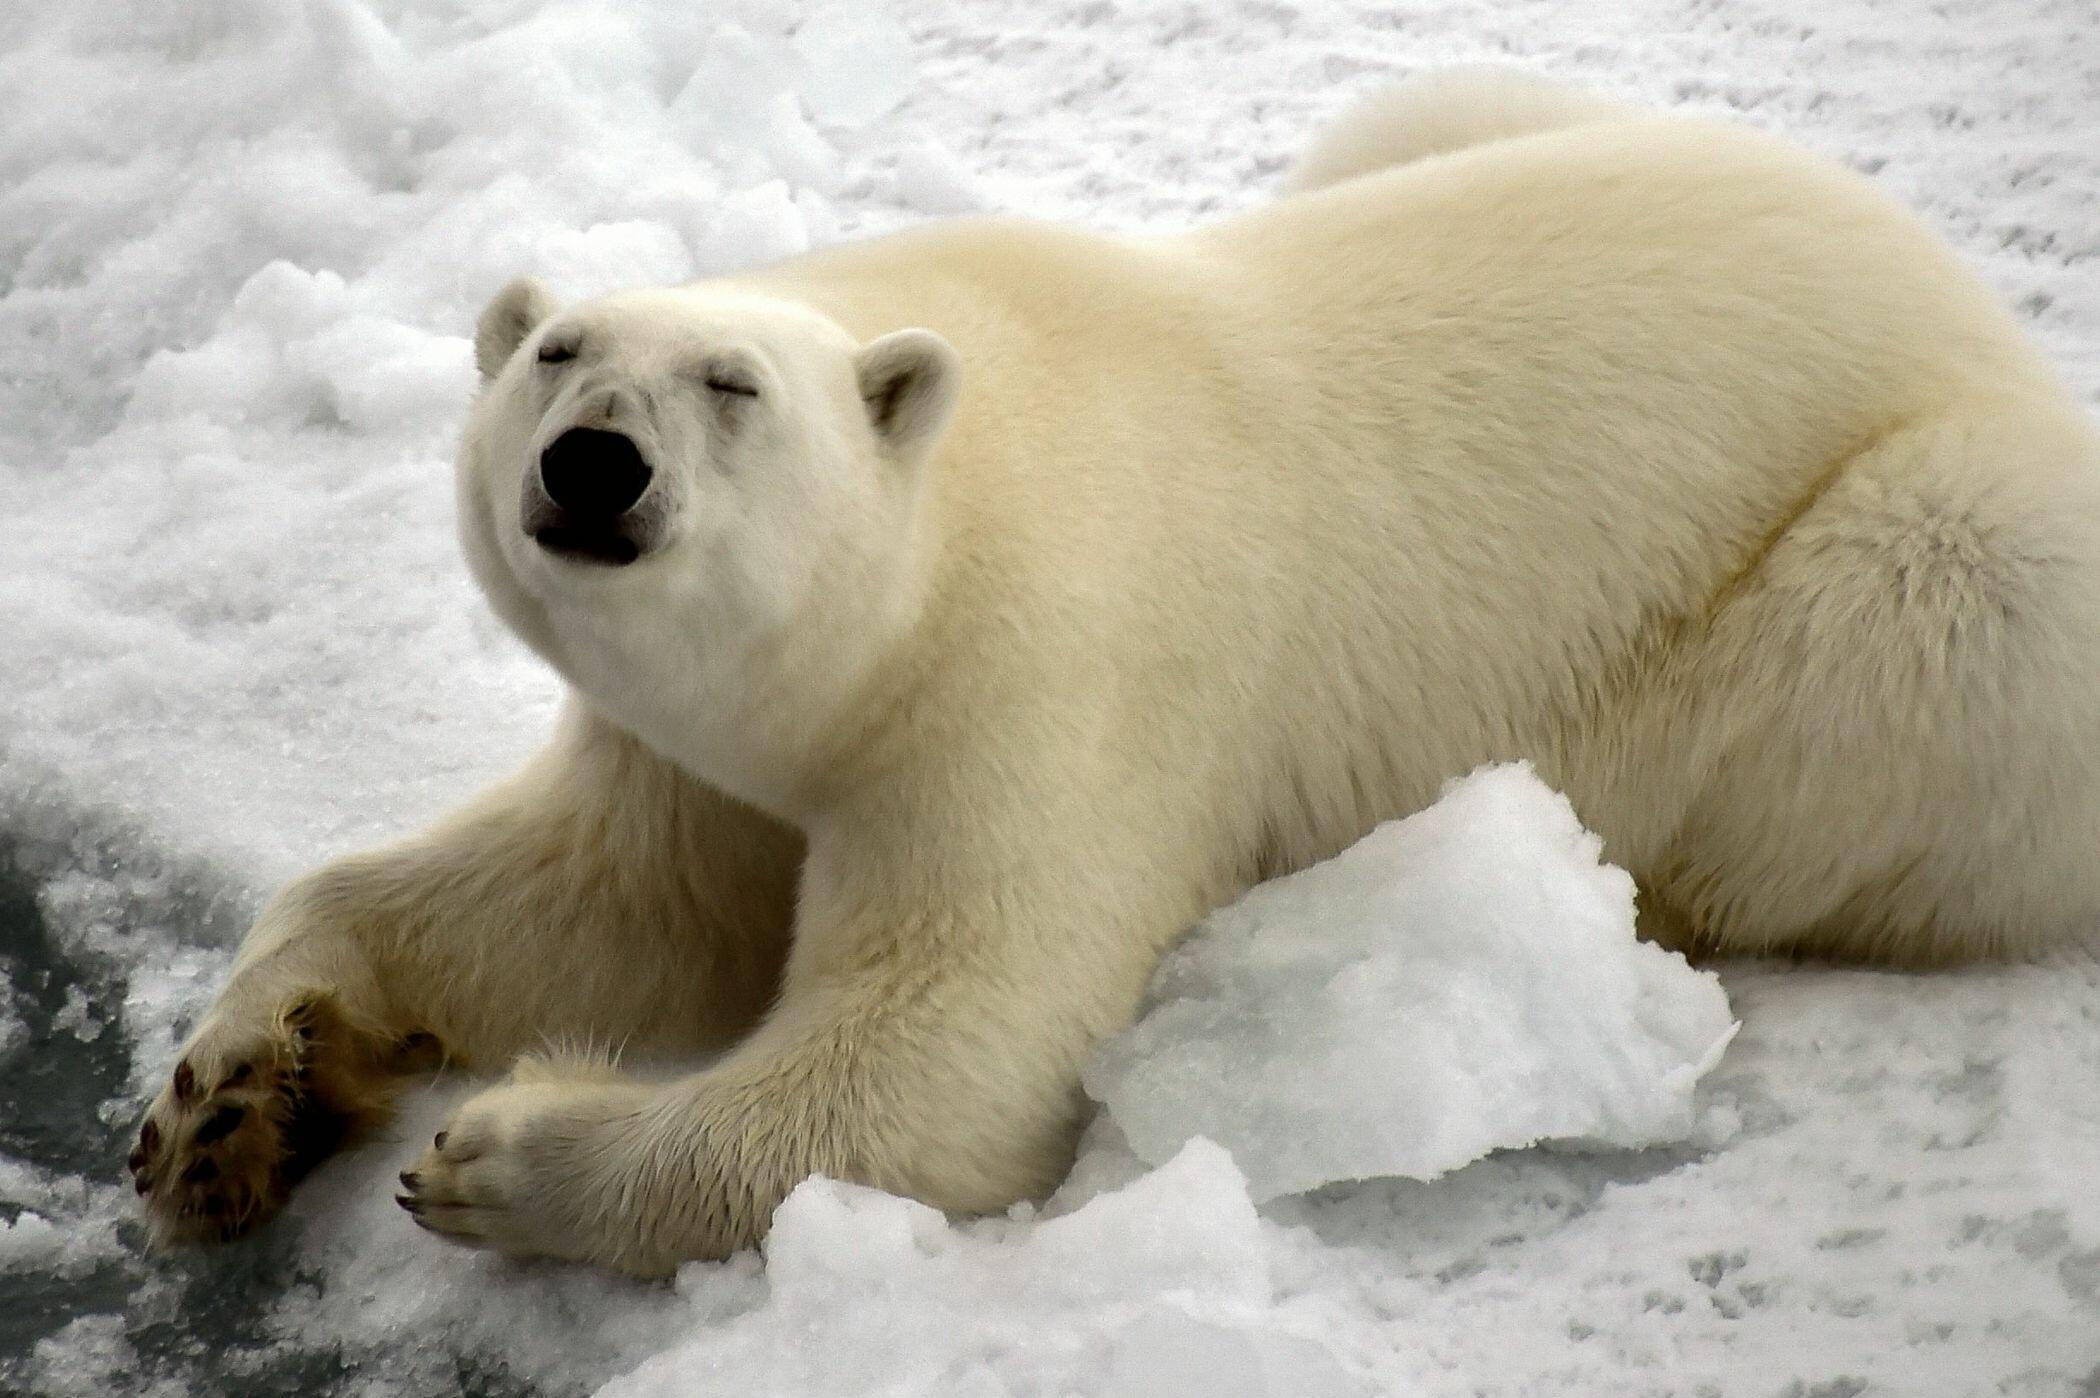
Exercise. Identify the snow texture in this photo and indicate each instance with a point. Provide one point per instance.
(241, 246)
(1461, 981)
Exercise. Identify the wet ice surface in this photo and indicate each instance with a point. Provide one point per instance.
(240, 247)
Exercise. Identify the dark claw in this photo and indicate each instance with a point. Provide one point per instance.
(239, 1075)
(438, 1140)
(143, 1183)
(136, 1160)
(185, 1081)
(411, 1180)
(204, 1169)
(413, 1205)
(222, 1123)
(149, 1136)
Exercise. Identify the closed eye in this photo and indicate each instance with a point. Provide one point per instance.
(724, 383)
(551, 353)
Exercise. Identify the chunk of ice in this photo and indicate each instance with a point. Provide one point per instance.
(1458, 982)
(1162, 1281)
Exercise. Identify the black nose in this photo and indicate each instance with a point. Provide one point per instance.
(592, 473)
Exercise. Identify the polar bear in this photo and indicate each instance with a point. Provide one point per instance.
(952, 619)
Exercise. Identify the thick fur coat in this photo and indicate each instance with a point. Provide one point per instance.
(1003, 597)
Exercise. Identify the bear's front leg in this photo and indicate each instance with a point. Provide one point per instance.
(579, 1164)
(304, 1050)
(600, 896)
(927, 1041)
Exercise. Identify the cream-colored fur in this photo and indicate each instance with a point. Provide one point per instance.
(1652, 450)
(1441, 112)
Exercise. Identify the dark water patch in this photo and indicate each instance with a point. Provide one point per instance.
(73, 1059)
(194, 1322)
(46, 835)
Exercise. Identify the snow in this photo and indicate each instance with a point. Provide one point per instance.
(907, 1303)
(241, 246)
(29, 1240)
(1461, 981)
(77, 1015)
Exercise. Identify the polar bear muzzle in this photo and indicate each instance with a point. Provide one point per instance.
(582, 502)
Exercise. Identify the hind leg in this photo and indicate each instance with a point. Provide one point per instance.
(1894, 722)
(1441, 112)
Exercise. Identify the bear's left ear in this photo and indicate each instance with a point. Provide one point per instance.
(908, 383)
(515, 313)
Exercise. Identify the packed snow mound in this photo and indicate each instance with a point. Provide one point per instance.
(1461, 981)
(242, 248)
(1159, 1289)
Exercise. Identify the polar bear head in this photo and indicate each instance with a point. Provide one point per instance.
(703, 506)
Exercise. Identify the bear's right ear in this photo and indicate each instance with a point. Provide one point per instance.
(515, 313)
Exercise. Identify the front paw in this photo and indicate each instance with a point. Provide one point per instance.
(254, 1104)
(546, 1165)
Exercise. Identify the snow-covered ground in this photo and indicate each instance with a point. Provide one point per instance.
(241, 242)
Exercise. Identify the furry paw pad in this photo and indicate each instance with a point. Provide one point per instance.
(532, 1168)
(247, 1113)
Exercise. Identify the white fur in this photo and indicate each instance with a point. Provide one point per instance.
(1441, 112)
(1681, 463)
